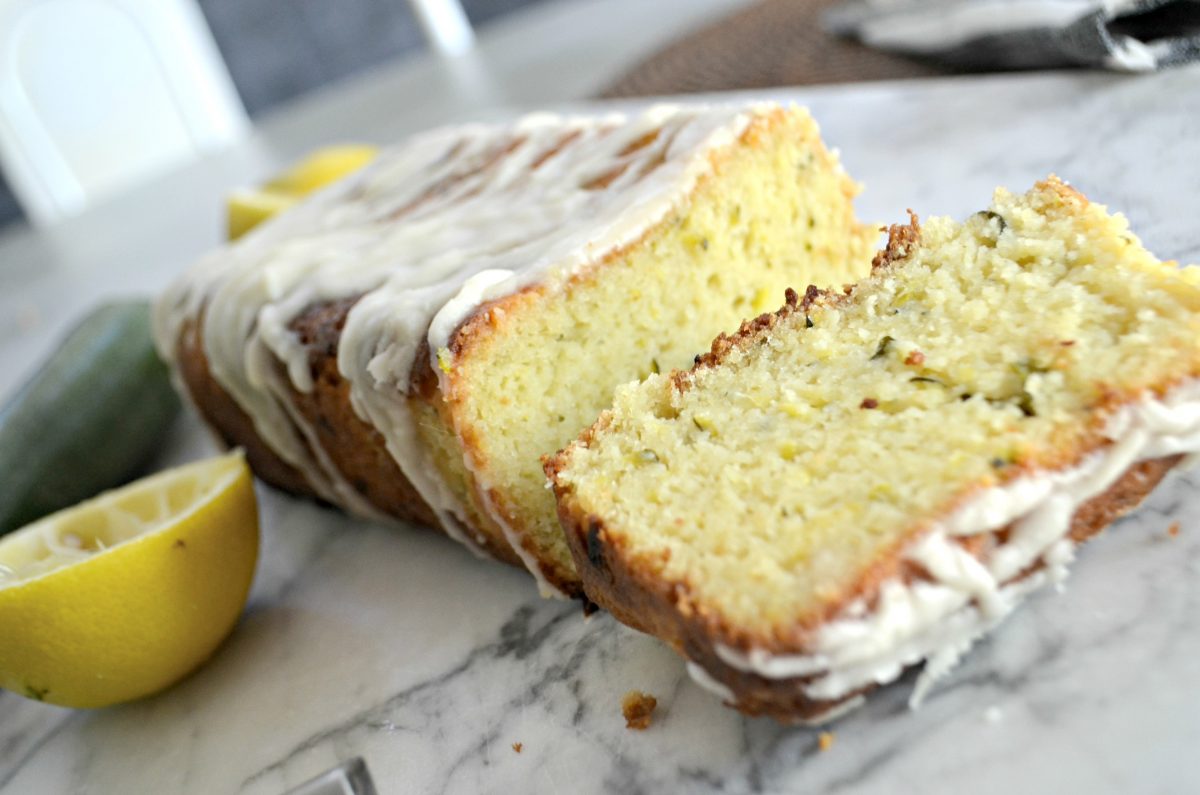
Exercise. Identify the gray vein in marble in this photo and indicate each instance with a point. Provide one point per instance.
(514, 640)
(14, 741)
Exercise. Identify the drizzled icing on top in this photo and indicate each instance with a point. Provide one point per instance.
(937, 620)
(432, 229)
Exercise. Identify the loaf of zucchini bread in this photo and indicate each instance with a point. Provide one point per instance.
(871, 479)
(408, 343)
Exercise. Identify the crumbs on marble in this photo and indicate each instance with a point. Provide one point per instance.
(638, 709)
(825, 741)
(518, 746)
(1173, 530)
(993, 714)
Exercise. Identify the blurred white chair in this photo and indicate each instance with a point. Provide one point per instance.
(445, 25)
(99, 95)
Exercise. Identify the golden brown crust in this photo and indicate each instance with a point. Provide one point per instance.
(352, 445)
(751, 331)
(344, 436)
(901, 240)
(637, 595)
(227, 420)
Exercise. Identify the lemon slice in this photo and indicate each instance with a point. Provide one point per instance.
(123, 595)
(248, 208)
(322, 167)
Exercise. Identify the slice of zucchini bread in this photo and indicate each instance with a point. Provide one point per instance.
(873, 478)
(411, 341)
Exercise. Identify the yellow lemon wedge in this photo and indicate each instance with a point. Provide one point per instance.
(250, 207)
(322, 167)
(125, 594)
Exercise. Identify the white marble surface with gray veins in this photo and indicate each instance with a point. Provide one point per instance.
(399, 646)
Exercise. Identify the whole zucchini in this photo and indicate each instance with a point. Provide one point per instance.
(90, 419)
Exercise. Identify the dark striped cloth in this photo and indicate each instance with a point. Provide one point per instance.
(1124, 35)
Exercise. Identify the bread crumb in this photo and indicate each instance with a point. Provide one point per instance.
(1173, 530)
(825, 741)
(638, 709)
(915, 359)
(993, 714)
(518, 746)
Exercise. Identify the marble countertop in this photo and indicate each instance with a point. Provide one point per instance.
(399, 646)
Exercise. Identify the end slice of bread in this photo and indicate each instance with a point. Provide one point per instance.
(869, 479)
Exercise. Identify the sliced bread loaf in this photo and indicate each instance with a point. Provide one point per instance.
(410, 342)
(873, 478)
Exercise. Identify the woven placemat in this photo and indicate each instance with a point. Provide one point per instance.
(772, 43)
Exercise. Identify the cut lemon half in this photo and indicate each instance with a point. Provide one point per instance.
(125, 594)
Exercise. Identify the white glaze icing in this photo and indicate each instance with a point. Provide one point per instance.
(434, 228)
(706, 681)
(937, 620)
(546, 588)
(835, 712)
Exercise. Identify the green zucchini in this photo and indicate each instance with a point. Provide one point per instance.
(90, 419)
